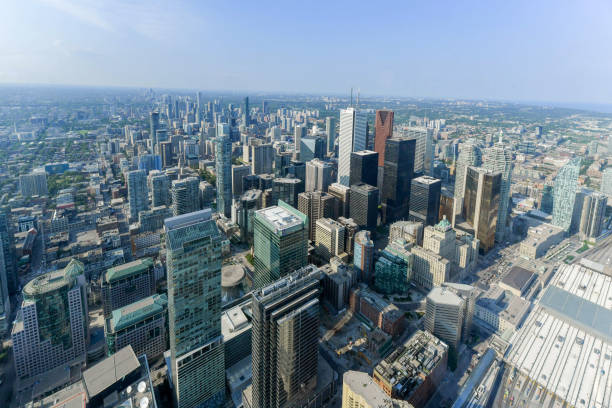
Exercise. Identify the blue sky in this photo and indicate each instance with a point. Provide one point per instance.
(538, 50)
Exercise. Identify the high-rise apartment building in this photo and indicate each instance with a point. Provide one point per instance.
(160, 190)
(51, 328)
(223, 161)
(564, 194)
(153, 126)
(280, 242)
(193, 260)
(397, 178)
(299, 132)
(318, 175)
(363, 256)
(383, 128)
(315, 205)
(5, 302)
(8, 254)
(592, 215)
(138, 194)
(262, 158)
(285, 340)
(364, 167)
(352, 138)
(33, 184)
(364, 205)
(425, 200)
(330, 129)
(185, 195)
(499, 159)
(238, 172)
(469, 155)
(606, 182)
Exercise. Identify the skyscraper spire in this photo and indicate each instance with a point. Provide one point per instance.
(501, 136)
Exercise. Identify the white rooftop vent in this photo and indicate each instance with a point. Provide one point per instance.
(142, 386)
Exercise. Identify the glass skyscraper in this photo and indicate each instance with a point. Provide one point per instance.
(470, 155)
(138, 193)
(193, 260)
(564, 194)
(397, 178)
(353, 137)
(499, 158)
(223, 161)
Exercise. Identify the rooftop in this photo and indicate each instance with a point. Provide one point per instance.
(232, 275)
(110, 370)
(281, 219)
(442, 295)
(54, 280)
(425, 180)
(137, 311)
(518, 278)
(187, 219)
(362, 384)
(128, 269)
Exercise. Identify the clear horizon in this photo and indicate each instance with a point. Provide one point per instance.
(545, 53)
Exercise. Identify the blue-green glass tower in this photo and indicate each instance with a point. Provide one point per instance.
(223, 161)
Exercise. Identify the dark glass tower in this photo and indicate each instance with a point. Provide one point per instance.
(364, 167)
(364, 205)
(425, 200)
(397, 178)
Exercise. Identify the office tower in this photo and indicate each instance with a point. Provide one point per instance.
(298, 133)
(425, 200)
(592, 217)
(363, 256)
(423, 153)
(127, 283)
(330, 128)
(546, 201)
(470, 155)
(138, 194)
(33, 184)
(193, 261)
(315, 205)
(185, 195)
(285, 340)
(481, 204)
(238, 173)
(223, 161)
(5, 303)
(262, 158)
(280, 243)
(606, 182)
(160, 190)
(318, 175)
(287, 189)
(51, 329)
(165, 151)
(246, 114)
(449, 311)
(397, 176)
(352, 138)
(499, 158)
(8, 254)
(312, 148)
(364, 167)
(343, 195)
(329, 239)
(141, 324)
(393, 269)
(153, 126)
(383, 128)
(564, 194)
(364, 205)
(249, 202)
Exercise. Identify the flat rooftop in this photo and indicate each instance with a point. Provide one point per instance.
(445, 296)
(110, 370)
(569, 358)
(279, 218)
(518, 278)
(426, 180)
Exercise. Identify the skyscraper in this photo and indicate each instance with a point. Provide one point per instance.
(246, 114)
(481, 204)
(138, 195)
(499, 158)
(383, 131)
(287, 189)
(423, 155)
(343, 195)
(363, 256)
(193, 259)
(315, 205)
(364, 167)
(592, 216)
(353, 137)
(449, 312)
(160, 190)
(397, 178)
(329, 239)
(425, 200)
(185, 195)
(280, 242)
(330, 128)
(238, 172)
(51, 328)
(8, 254)
(298, 133)
(223, 161)
(470, 155)
(564, 194)
(318, 175)
(262, 158)
(312, 148)
(153, 126)
(5, 304)
(606, 182)
(285, 339)
(364, 205)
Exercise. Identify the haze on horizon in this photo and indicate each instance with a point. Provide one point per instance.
(523, 51)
